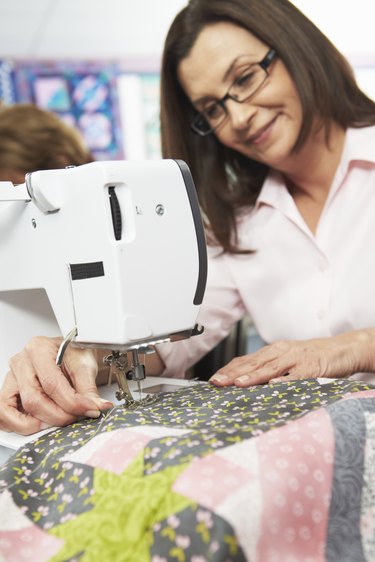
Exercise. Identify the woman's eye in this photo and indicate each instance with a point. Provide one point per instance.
(212, 111)
(246, 79)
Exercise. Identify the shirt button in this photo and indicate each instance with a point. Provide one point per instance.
(320, 314)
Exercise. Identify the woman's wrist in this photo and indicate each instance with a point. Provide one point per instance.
(364, 349)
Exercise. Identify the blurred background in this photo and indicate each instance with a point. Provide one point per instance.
(96, 63)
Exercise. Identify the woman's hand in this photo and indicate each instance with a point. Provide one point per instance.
(332, 357)
(37, 393)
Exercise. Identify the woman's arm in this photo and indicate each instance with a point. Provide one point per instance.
(332, 357)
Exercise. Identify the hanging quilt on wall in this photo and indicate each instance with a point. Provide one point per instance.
(7, 86)
(83, 94)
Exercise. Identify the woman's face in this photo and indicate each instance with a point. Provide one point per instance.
(265, 127)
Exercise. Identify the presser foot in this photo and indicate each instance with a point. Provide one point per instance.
(119, 367)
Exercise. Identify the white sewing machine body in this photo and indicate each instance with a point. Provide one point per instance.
(113, 249)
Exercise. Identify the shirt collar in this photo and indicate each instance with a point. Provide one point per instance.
(359, 146)
(273, 191)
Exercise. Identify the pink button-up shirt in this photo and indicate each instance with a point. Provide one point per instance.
(297, 285)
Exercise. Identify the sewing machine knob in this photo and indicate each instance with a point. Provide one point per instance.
(116, 213)
(136, 373)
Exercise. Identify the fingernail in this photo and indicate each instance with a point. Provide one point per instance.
(243, 378)
(44, 425)
(92, 413)
(219, 378)
(105, 404)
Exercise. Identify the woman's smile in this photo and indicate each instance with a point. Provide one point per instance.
(262, 134)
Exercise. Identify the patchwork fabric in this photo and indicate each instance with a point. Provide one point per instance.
(281, 473)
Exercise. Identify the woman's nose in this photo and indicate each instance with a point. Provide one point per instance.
(240, 114)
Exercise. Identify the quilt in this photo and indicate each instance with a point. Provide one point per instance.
(282, 473)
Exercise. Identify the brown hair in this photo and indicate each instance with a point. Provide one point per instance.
(34, 139)
(226, 180)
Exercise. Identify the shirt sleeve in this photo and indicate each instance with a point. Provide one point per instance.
(221, 308)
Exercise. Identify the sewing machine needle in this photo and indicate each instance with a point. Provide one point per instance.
(139, 389)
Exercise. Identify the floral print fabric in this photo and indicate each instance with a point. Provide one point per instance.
(277, 473)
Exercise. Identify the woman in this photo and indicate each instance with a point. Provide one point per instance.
(279, 140)
(34, 139)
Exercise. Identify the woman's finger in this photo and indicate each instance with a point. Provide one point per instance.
(45, 391)
(12, 416)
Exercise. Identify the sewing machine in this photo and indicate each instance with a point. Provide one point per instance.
(107, 255)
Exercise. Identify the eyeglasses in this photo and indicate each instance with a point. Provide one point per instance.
(250, 78)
